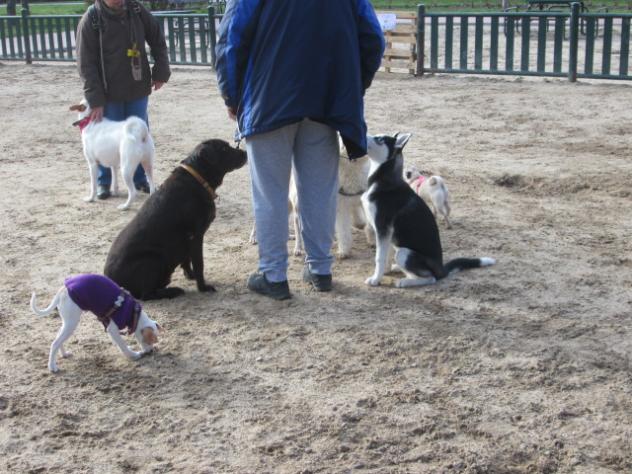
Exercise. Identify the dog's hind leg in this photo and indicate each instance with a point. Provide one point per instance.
(164, 294)
(128, 177)
(446, 214)
(415, 275)
(71, 314)
(149, 172)
(114, 187)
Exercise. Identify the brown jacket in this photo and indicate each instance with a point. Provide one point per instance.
(110, 79)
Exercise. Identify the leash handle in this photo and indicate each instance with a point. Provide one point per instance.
(237, 136)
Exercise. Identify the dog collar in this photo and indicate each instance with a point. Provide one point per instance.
(83, 123)
(342, 192)
(420, 180)
(200, 180)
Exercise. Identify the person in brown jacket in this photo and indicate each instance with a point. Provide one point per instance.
(114, 68)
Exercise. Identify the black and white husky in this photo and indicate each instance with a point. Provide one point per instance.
(401, 219)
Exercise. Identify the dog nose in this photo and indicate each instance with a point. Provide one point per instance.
(408, 173)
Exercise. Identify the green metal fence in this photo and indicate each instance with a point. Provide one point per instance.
(190, 37)
(558, 44)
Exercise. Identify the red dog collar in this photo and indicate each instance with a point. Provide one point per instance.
(83, 123)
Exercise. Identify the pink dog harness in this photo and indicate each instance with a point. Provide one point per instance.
(418, 182)
(101, 296)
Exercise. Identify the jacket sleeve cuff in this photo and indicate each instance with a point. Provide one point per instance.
(96, 100)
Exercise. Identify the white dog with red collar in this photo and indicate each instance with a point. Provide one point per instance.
(112, 144)
(431, 189)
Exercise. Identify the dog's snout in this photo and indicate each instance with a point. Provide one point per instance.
(408, 174)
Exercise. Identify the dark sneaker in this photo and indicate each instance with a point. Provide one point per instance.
(258, 283)
(103, 192)
(319, 282)
(143, 188)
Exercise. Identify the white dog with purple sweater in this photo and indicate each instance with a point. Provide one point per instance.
(113, 306)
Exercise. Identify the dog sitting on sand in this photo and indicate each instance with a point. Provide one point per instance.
(403, 221)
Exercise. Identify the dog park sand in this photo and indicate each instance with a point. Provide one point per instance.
(520, 367)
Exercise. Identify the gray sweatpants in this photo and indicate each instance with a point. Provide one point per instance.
(313, 150)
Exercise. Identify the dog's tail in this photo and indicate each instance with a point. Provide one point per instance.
(418, 263)
(136, 129)
(466, 263)
(50, 308)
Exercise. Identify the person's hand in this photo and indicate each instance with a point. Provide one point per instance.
(232, 113)
(157, 84)
(96, 114)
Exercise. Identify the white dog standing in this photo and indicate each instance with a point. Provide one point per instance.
(114, 307)
(431, 189)
(112, 144)
(353, 176)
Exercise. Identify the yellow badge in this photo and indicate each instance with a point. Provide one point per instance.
(133, 52)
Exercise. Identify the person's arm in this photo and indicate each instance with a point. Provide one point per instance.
(160, 72)
(88, 57)
(371, 42)
(233, 46)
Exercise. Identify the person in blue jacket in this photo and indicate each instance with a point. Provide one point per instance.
(293, 73)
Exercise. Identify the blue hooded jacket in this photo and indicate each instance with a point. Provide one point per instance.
(280, 61)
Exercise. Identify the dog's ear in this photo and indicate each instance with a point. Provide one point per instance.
(77, 107)
(401, 140)
(149, 337)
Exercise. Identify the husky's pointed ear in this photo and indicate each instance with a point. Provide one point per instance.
(401, 140)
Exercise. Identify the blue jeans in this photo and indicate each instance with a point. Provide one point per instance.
(312, 149)
(119, 111)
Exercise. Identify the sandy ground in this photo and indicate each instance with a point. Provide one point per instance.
(521, 367)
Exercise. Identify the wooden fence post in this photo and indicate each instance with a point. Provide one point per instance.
(573, 43)
(213, 39)
(421, 34)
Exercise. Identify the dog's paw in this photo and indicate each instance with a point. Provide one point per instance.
(373, 281)
(66, 355)
(53, 369)
(89, 199)
(133, 355)
(343, 255)
(297, 252)
(123, 207)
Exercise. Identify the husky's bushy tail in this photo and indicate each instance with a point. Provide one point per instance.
(420, 264)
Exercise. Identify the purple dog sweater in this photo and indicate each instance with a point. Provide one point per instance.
(99, 295)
